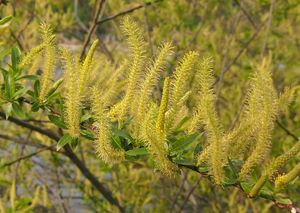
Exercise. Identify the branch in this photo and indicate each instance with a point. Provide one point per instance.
(288, 132)
(71, 155)
(26, 156)
(242, 50)
(127, 11)
(92, 27)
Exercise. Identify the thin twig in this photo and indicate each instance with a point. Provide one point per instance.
(288, 132)
(178, 193)
(17, 40)
(242, 50)
(127, 11)
(92, 27)
(234, 25)
(246, 13)
(27, 156)
(189, 194)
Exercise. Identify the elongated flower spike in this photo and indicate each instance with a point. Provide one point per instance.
(156, 143)
(286, 98)
(209, 118)
(160, 123)
(85, 69)
(136, 43)
(103, 146)
(273, 168)
(262, 109)
(29, 57)
(48, 40)
(182, 75)
(152, 78)
(75, 87)
(72, 99)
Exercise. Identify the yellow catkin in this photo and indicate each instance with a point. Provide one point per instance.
(160, 123)
(48, 69)
(281, 160)
(72, 98)
(37, 196)
(30, 56)
(204, 79)
(46, 201)
(2, 206)
(286, 98)
(13, 195)
(85, 69)
(207, 116)
(114, 87)
(156, 143)
(262, 109)
(75, 87)
(182, 75)
(35, 66)
(137, 46)
(287, 178)
(103, 146)
(151, 80)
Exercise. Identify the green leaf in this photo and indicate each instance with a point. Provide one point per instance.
(19, 93)
(85, 117)
(28, 77)
(17, 109)
(137, 152)
(5, 20)
(4, 51)
(54, 88)
(15, 57)
(283, 200)
(122, 133)
(116, 142)
(63, 141)
(37, 88)
(7, 109)
(185, 162)
(246, 186)
(183, 143)
(9, 86)
(233, 169)
(74, 143)
(87, 134)
(57, 121)
(35, 107)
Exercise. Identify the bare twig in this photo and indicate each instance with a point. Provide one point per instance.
(189, 195)
(178, 193)
(242, 50)
(225, 55)
(93, 26)
(17, 40)
(27, 156)
(246, 13)
(127, 11)
(288, 132)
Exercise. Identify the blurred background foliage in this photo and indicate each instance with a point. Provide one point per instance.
(237, 33)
